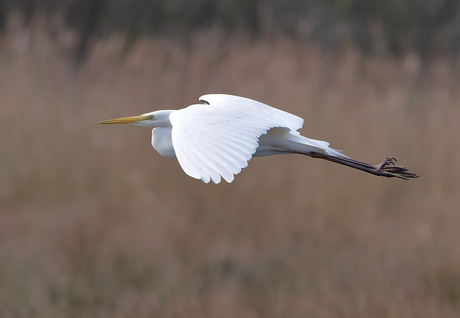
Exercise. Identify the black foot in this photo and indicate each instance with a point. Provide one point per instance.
(388, 168)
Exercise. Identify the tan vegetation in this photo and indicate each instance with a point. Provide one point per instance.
(94, 223)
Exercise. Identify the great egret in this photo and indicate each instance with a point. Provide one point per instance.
(217, 138)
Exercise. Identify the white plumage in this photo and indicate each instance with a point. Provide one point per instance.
(217, 138)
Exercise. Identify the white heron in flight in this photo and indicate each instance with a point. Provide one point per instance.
(217, 138)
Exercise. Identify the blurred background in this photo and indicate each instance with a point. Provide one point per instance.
(95, 223)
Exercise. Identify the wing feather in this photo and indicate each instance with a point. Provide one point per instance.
(217, 139)
(191, 166)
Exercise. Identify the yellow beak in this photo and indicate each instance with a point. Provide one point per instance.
(123, 120)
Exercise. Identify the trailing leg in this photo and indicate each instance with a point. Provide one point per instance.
(387, 168)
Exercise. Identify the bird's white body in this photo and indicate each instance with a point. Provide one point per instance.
(217, 138)
(275, 141)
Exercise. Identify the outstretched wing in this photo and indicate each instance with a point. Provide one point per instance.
(218, 138)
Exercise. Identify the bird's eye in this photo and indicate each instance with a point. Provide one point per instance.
(150, 117)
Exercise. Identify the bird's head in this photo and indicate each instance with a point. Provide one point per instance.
(159, 118)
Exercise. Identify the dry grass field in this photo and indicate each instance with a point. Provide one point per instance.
(95, 223)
